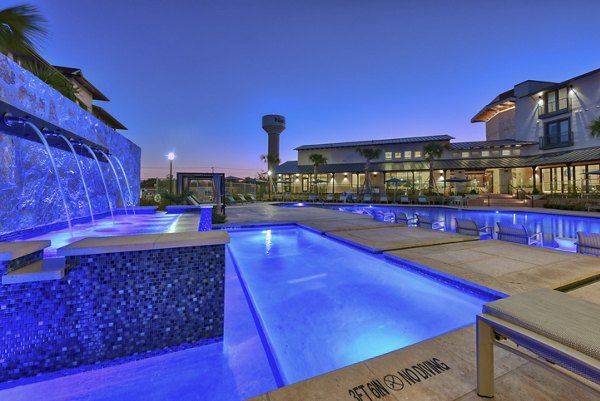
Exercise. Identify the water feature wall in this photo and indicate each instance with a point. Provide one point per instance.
(29, 196)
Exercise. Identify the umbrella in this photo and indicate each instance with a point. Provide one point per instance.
(394, 181)
(317, 182)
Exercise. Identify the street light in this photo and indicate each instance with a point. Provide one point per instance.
(269, 173)
(171, 157)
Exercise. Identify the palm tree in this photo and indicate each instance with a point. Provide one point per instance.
(595, 127)
(432, 151)
(21, 27)
(368, 154)
(271, 160)
(317, 160)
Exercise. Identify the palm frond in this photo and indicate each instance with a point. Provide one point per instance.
(22, 28)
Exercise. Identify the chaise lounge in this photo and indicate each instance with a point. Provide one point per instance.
(518, 233)
(549, 328)
(588, 243)
(470, 227)
(426, 222)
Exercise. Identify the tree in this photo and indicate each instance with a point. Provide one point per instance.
(368, 154)
(317, 160)
(595, 127)
(271, 161)
(21, 28)
(432, 151)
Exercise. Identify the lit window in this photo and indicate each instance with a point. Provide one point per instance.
(558, 133)
(417, 154)
(485, 153)
(495, 153)
(388, 155)
(398, 155)
(455, 155)
(556, 100)
(464, 154)
(408, 154)
(516, 152)
(505, 152)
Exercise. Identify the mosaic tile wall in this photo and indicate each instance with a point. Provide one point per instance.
(110, 306)
(12, 265)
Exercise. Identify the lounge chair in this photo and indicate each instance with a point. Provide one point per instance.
(404, 220)
(456, 201)
(422, 200)
(383, 198)
(193, 201)
(518, 233)
(559, 332)
(588, 243)
(242, 198)
(252, 198)
(229, 200)
(287, 197)
(426, 222)
(352, 198)
(312, 197)
(404, 199)
(387, 217)
(470, 227)
(343, 197)
(367, 198)
(329, 198)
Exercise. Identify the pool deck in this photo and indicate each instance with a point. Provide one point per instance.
(506, 267)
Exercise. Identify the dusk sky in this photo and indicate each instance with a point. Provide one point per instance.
(194, 77)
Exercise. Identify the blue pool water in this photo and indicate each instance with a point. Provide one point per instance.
(551, 225)
(323, 305)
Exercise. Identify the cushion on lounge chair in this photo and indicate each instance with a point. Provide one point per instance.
(554, 315)
(588, 243)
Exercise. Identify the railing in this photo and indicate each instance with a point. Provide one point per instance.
(545, 143)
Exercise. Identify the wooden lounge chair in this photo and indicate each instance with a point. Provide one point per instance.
(518, 233)
(404, 199)
(470, 227)
(404, 220)
(383, 198)
(588, 243)
(329, 198)
(550, 328)
(367, 198)
(426, 222)
(422, 200)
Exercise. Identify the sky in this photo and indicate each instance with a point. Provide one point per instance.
(194, 77)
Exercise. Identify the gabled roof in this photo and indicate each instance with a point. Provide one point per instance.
(488, 144)
(502, 102)
(77, 75)
(376, 142)
(106, 118)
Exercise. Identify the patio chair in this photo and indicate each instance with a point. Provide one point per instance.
(588, 243)
(193, 201)
(404, 199)
(252, 198)
(287, 197)
(312, 197)
(385, 216)
(558, 332)
(404, 220)
(242, 198)
(470, 227)
(229, 200)
(367, 198)
(426, 222)
(422, 200)
(456, 201)
(329, 198)
(518, 233)
(383, 198)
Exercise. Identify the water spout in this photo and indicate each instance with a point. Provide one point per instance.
(45, 143)
(102, 177)
(116, 178)
(126, 183)
(87, 195)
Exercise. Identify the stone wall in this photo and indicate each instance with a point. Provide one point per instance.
(28, 186)
(112, 305)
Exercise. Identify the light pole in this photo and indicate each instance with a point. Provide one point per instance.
(269, 173)
(171, 157)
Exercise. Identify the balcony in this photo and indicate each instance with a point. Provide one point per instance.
(545, 143)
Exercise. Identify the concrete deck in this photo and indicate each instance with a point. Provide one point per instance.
(503, 266)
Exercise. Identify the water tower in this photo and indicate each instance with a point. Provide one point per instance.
(274, 125)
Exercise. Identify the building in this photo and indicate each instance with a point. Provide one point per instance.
(537, 139)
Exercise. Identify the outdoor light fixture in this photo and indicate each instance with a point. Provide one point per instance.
(269, 173)
(171, 157)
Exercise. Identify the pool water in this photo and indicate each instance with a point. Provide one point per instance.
(323, 305)
(551, 225)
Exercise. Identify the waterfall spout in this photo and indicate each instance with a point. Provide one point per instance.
(126, 183)
(117, 179)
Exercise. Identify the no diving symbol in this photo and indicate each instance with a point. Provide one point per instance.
(393, 382)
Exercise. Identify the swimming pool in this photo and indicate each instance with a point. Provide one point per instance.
(551, 225)
(322, 305)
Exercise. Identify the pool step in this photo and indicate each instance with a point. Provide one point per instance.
(52, 268)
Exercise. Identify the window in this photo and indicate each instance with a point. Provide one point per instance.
(505, 152)
(558, 133)
(464, 154)
(485, 153)
(557, 100)
(516, 152)
(388, 155)
(408, 154)
(398, 155)
(417, 154)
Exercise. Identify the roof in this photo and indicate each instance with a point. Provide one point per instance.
(502, 102)
(77, 75)
(376, 142)
(488, 144)
(569, 156)
(556, 85)
(106, 118)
